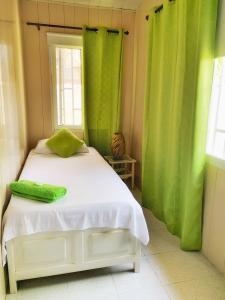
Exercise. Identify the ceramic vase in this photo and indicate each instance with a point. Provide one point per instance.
(118, 145)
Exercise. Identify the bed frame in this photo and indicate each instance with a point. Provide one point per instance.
(52, 253)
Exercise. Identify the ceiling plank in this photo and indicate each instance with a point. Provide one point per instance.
(112, 4)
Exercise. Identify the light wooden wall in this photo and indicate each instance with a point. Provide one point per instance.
(12, 104)
(141, 46)
(213, 245)
(38, 87)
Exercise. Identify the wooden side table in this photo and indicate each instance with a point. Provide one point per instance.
(124, 167)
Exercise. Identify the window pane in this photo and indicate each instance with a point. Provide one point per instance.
(221, 114)
(216, 128)
(67, 68)
(68, 100)
(78, 117)
(219, 144)
(77, 96)
(68, 86)
(77, 57)
(221, 105)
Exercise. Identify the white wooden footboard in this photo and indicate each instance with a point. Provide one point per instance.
(46, 254)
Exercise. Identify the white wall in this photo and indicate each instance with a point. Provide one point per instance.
(214, 217)
(12, 104)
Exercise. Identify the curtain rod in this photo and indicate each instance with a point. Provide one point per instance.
(39, 25)
(157, 10)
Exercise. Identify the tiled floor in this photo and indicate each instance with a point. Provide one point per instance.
(166, 273)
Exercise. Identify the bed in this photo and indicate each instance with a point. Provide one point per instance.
(97, 224)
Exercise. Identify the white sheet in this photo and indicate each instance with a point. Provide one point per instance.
(96, 198)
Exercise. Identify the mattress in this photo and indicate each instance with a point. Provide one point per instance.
(96, 198)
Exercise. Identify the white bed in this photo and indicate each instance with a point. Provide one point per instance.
(97, 224)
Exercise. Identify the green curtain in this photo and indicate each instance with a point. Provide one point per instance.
(102, 53)
(180, 66)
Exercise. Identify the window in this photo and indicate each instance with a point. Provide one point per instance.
(216, 130)
(66, 66)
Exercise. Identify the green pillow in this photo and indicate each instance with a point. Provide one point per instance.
(64, 143)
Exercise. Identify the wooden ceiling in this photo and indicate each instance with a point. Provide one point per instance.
(124, 4)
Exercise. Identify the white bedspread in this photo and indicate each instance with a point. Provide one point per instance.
(96, 198)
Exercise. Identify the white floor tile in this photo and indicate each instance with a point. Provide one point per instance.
(96, 284)
(49, 288)
(157, 293)
(211, 289)
(12, 297)
(142, 286)
(161, 242)
(172, 267)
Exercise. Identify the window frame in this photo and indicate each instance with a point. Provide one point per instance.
(69, 41)
(213, 128)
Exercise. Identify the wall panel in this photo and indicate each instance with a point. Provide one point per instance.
(36, 58)
(13, 137)
(141, 45)
(127, 91)
(105, 17)
(81, 15)
(214, 222)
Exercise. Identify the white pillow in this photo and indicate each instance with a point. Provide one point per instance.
(83, 149)
(42, 148)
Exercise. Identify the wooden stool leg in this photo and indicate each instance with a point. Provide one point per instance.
(132, 178)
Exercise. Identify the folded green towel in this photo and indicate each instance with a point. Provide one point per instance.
(37, 191)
